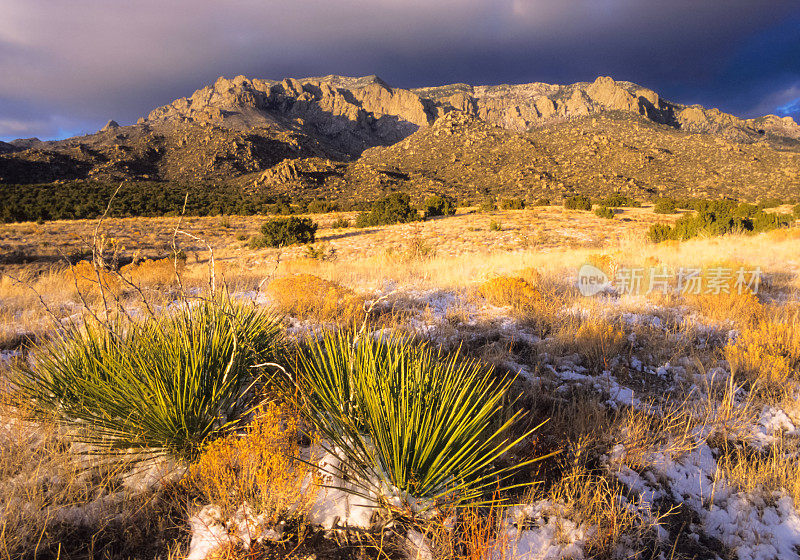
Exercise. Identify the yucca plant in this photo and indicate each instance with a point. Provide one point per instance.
(414, 427)
(166, 385)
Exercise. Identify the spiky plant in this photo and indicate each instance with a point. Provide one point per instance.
(166, 385)
(416, 428)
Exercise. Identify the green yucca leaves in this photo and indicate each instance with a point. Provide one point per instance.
(167, 385)
(407, 421)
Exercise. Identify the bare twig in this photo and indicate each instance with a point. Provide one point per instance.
(181, 289)
(97, 256)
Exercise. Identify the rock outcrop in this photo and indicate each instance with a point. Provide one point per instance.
(329, 135)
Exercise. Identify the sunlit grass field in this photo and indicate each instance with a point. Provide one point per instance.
(620, 425)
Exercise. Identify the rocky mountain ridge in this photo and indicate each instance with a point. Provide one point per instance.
(342, 136)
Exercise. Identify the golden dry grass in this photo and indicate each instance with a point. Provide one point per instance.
(309, 297)
(767, 353)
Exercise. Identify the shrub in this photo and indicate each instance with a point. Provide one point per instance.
(618, 199)
(88, 280)
(796, 211)
(168, 385)
(665, 206)
(488, 205)
(494, 225)
(605, 212)
(770, 203)
(308, 297)
(439, 205)
(577, 203)
(340, 223)
(718, 218)
(512, 204)
(160, 272)
(395, 208)
(258, 468)
(542, 202)
(280, 232)
(320, 207)
(511, 291)
(410, 425)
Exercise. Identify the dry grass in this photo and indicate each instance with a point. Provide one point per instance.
(514, 292)
(157, 273)
(767, 353)
(55, 502)
(597, 340)
(763, 472)
(309, 297)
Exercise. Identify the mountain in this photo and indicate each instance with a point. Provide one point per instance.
(351, 138)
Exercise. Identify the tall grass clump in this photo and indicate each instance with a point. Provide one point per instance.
(168, 384)
(414, 427)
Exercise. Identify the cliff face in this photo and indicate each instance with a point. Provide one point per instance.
(354, 114)
(343, 137)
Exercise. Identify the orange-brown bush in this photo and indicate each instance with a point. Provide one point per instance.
(259, 468)
(160, 272)
(741, 308)
(509, 291)
(88, 279)
(310, 297)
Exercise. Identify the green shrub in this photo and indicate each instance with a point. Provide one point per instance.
(512, 204)
(438, 205)
(320, 207)
(796, 211)
(408, 421)
(495, 226)
(280, 232)
(340, 223)
(488, 205)
(665, 206)
(577, 203)
(395, 208)
(660, 232)
(770, 203)
(542, 202)
(605, 212)
(718, 218)
(167, 385)
(617, 200)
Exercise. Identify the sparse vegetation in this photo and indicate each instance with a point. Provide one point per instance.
(512, 204)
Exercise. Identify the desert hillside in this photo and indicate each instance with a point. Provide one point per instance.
(345, 139)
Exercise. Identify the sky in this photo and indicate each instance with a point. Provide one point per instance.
(68, 66)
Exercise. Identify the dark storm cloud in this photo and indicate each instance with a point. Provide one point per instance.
(67, 67)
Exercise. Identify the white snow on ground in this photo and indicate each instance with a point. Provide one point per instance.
(334, 505)
(757, 526)
(541, 531)
(210, 531)
(772, 423)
